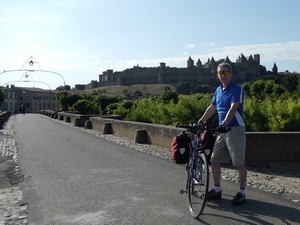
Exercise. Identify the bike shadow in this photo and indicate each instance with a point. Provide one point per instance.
(251, 212)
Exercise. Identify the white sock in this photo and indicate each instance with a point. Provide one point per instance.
(242, 191)
(217, 188)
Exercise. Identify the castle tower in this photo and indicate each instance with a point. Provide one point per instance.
(109, 75)
(199, 63)
(190, 63)
(227, 60)
(162, 73)
(257, 58)
(275, 69)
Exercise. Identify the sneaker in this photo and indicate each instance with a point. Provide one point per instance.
(212, 194)
(238, 199)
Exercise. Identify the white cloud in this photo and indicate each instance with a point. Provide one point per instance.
(189, 46)
(269, 52)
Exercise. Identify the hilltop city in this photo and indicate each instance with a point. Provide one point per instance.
(244, 68)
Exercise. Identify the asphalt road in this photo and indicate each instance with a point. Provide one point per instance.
(73, 177)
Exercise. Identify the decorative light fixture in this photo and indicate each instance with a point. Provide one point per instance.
(31, 65)
(26, 77)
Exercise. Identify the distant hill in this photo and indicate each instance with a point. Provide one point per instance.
(144, 89)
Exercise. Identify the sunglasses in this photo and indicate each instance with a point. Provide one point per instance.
(224, 73)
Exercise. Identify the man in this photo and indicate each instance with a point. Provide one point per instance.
(228, 100)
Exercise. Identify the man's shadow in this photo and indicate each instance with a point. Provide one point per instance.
(254, 212)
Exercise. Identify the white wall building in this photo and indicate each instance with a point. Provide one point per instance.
(34, 99)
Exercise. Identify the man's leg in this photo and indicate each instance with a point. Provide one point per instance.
(216, 192)
(216, 171)
(242, 170)
(239, 198)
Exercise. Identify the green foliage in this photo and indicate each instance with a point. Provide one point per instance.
(153, 110)
(105, 100)
(283, 114)
(63, 88)
(271, 104)
(66, 100)
(121, 108)
(292, 82)
(169, 95)
(85, 106)
(255, 115)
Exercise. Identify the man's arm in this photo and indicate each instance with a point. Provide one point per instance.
(208, 113)
(230, 114)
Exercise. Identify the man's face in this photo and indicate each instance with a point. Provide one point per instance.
(224, 76)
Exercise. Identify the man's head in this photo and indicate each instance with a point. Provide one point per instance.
(224, 73)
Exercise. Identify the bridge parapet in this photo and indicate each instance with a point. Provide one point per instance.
(4, 117)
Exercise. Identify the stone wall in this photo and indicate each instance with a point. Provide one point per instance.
(3, 118)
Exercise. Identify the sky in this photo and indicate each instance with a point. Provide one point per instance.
(80, 39)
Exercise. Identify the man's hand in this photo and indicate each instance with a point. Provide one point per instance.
(221, 129)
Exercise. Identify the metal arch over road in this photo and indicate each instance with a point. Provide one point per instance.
(28, 81)
(31, 62)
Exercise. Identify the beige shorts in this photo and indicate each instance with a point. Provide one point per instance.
(231, 145)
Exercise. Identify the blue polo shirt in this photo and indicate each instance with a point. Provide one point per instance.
(223, 100)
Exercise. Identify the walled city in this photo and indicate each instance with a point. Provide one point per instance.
(244, 69)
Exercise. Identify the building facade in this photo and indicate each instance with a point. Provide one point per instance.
(34, 99)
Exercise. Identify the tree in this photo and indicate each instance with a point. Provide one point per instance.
(85, 106)
(66, 100)
(291, 82)
(105, 100)
(167, 95)
(63, 88)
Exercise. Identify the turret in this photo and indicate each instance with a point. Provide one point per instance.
(190, 63)
(161, 73)
(275, 69)
(199, 63)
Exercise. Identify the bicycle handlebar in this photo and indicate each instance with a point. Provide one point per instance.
(195, 127)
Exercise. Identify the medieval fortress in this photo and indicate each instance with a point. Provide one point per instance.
(244, 69)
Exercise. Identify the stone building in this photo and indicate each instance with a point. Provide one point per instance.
(244, 69)
(33, 99)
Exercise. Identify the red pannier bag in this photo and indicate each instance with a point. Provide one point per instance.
(181, 148)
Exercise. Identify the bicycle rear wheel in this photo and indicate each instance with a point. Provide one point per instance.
(198, 185)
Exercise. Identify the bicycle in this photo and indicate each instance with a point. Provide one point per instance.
(197, 184)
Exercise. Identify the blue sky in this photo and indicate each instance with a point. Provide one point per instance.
(80, 39)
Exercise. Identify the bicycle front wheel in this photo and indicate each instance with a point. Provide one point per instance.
(198, 185)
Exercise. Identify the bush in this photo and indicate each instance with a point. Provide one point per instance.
(85, 107)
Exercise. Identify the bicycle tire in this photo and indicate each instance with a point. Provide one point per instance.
(197, 186)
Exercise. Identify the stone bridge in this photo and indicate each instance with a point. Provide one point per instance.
(264, 149)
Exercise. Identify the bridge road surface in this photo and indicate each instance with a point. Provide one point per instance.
(75, 178)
